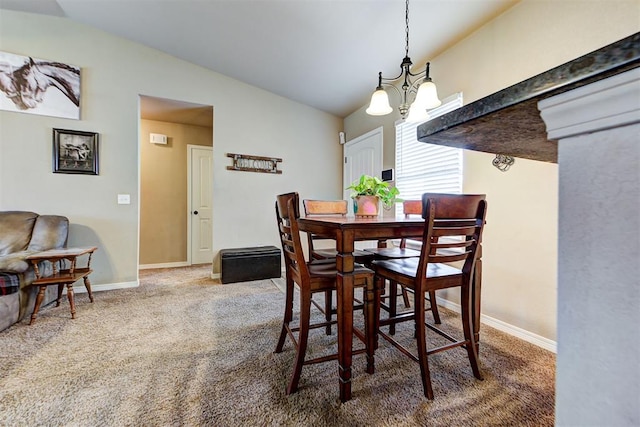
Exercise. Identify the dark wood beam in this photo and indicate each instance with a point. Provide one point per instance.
(508, 122)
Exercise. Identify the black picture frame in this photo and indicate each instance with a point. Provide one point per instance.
(75, 152)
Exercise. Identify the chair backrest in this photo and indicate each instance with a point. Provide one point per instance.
(287, 214)
(411, 207)
(325, 207)
(322, 208)
(281, 205)
(453, 229)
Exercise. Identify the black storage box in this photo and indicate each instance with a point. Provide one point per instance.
(244, 264)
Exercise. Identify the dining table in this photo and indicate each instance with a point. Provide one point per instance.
(346, 231)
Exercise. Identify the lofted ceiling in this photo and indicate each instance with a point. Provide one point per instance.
(321, 53)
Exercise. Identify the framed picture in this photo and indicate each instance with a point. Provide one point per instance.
(75, 152)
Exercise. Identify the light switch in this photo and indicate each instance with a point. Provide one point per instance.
(124, 199)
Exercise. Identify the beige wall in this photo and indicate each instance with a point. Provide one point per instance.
(520, 242)
(114, 73)
(163, 190)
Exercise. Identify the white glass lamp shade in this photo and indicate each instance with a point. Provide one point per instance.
(427, 95)
(417, 114)
(379, 105)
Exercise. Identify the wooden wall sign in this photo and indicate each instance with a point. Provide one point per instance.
(243, 162)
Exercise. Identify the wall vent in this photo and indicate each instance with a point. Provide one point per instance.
(156, 138)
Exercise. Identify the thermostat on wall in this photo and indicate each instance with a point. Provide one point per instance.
(387, 175)
(156, 138)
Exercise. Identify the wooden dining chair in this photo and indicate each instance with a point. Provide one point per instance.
(452, 234)
(324, 208)
(311, 278)
(409, 208)
(329, 208)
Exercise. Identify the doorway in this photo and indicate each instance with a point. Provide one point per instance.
(167, 128)
(362, 155)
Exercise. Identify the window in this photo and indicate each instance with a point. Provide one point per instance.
(421, 167)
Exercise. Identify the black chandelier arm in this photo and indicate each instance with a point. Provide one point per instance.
(419, 74)
(385, 85)
(391, 79)
(388, 80)
(413, 87)
(406, 71)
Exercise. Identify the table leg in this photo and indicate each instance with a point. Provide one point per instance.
(71, 301)
(87, 284)
(39, 299)
(344, 291)
(345, 333)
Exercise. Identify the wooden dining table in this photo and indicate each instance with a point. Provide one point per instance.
(346, 230)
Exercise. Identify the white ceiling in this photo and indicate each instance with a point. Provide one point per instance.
(322, 53)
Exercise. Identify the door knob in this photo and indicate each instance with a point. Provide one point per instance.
(195, 212)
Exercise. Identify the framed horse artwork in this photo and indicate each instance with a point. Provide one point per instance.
(38, 86)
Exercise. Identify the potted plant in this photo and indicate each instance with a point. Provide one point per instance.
(368, 191)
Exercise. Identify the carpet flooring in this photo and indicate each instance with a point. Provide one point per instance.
(184, 350)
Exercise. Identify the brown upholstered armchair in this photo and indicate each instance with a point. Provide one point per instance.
(22, 234)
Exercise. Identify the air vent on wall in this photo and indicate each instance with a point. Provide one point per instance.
(156, 138)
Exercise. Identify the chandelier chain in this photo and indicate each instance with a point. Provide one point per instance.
(406, 20)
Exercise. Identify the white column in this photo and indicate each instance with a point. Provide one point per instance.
(598, 361)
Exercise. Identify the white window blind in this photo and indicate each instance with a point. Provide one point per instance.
(427, 168)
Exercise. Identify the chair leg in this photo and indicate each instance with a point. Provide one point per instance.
(393, 301)
(288, 314)
(373, 295)
(327, 309)
(476, 285)
(467, 326)
(434, 307)
(303, 335)
(405, 297)
(421, 339)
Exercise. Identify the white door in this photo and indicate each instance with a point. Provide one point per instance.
(200, 230)
(362, 155)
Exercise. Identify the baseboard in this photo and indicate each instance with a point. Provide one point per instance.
(80, 289)
(515, 331)
(163, 265)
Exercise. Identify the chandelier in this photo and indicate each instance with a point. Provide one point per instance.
(416, 96)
